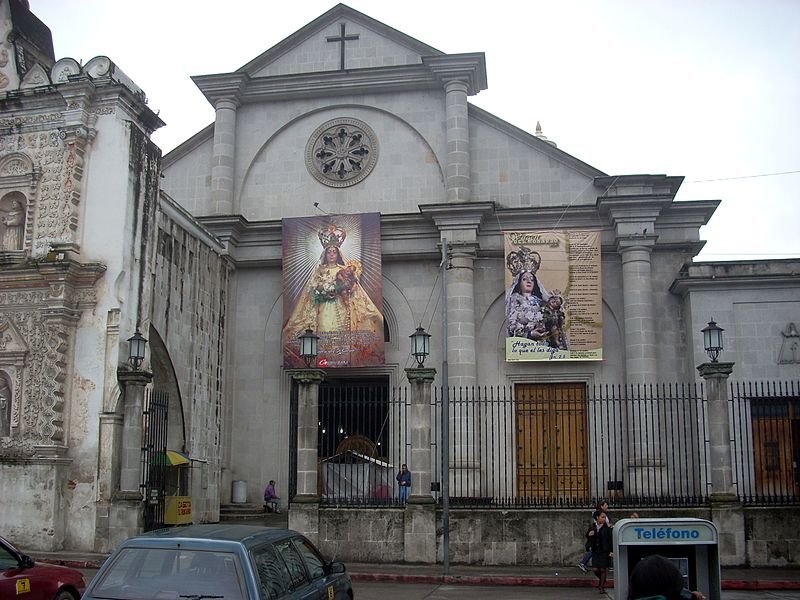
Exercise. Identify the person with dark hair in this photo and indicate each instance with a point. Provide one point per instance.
(602, 545)
(404, 482)
(602, 506)
(657, 578)
(271, 498)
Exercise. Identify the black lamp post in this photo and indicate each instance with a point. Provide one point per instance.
(712, 340)
(136, 347)
(420, 345)
(308, 346)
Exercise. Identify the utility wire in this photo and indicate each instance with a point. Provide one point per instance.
(744, 177)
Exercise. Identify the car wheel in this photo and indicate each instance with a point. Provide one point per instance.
(65, 595)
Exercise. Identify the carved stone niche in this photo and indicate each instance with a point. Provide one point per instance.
(790, 347)
(18, 182)
(13, 351)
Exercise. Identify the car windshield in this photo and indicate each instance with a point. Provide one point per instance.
(168, 574)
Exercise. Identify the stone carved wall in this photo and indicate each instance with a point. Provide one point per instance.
(37, 327)
(58, 156)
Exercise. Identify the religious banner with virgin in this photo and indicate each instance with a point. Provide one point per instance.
(553, 299)
(332, 286)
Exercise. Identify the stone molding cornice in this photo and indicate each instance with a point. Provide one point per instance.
(75, 100)
(469, 68)
(256, 244)
(758, 274)
(462, 216)
(245, 89)
(60, 287)
(630, 210)
(640, 187)
(222, 86)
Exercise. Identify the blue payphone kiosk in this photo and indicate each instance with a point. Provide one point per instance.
(692, 544)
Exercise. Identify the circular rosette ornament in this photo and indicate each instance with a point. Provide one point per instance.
(342, 152)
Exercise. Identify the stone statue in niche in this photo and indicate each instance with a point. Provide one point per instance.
(14, 224)
(790, 348)
(5, 405)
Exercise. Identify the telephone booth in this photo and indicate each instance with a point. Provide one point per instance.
(691, 544)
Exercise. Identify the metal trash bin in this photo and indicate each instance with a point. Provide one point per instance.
(239, 492)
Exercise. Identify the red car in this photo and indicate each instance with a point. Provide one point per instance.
(21, 577)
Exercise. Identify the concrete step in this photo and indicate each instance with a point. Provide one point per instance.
(242, 507)
(237, 512)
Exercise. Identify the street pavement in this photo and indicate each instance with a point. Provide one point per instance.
(403, 590)
(468, 582)
(418, 591)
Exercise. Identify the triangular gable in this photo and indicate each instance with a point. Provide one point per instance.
(12, 344)
(37, 76)
(308, 49)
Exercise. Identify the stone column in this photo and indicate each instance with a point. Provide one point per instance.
(465, 430)
(457, 170)
(420, 515)
(726, 510)
(719, 430)
(461, 315)
(641, 365)
(645, 466)
(421, 380)
(304, 507)
(223, 159)
(134, 383)
(126, 515)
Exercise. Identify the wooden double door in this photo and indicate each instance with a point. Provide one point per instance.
(776, 447)
(551, 429)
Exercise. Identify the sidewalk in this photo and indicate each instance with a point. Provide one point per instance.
(738, 578)
(753, 579)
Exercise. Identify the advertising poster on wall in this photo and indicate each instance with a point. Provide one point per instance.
(553, 295)
(332, 286)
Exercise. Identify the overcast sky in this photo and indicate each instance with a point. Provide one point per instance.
(706, 89)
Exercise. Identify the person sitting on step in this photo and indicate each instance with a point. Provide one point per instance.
(271, 498)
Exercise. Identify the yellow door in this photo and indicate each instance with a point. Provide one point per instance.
(551, 441)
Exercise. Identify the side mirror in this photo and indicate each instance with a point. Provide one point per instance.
(25, 561)
(337, 567)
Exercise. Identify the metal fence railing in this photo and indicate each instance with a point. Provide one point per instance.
(560, 445)
(556, 445)
(765, 427)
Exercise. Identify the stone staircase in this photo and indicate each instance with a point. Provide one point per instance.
(253, 514)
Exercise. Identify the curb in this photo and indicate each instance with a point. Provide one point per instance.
(489, 580)
(555, 582)
(485, 580)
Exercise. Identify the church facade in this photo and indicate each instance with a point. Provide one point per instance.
(344, 168)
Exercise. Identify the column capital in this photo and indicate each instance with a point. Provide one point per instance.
(307, 375)
(465, 71)
(420, 375)
(456, 84)
(641, 243)
(226, 103)
(716, 370)
(134, 377)
(459, 222)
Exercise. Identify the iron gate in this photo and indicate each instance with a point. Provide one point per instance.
(154, 452)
